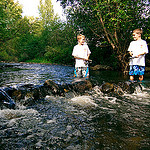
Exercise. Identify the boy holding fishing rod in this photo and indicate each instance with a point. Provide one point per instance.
(81, 53)
(137, 49)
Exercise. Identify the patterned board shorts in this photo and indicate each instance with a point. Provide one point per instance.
(136, 70)
(81, 72)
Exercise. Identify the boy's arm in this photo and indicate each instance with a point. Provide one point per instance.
(88, 57)
(137, 55)
(141, 54)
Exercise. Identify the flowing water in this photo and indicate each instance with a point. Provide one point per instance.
(92, 122)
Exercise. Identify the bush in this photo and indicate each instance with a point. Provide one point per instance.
(58, 55)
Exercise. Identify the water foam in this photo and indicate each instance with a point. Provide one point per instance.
(12, 114)
(84, 101)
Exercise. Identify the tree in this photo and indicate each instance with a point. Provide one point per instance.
(58, 36)
(19, 35)
(111, 22)
(10, 19)
(47, 13)
(10, 16)
(29, 38)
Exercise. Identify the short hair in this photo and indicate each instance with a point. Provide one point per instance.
(138, 31)
(80, 36)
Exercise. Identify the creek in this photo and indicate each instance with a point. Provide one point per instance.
(84, 122)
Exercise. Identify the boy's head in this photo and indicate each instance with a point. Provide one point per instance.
(80, 36)
(137, 34)
(81, 39)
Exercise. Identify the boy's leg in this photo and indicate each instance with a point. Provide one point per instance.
(141, 78)
(131, 73)
(85, 72)
(77, 72)
(141, 73)
(131, 78)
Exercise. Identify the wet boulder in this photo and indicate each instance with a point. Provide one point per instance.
(78, 87)
(28, 94)
(52, 87)
(6, 100)
(17, 94)
(138, 88)
(82, 86)
(107, 87)
(121, 88)
(39, 92)
(131, 87)
(112, 88)
(23, 94)
(28, 99)
(127, 87)
(118, 90)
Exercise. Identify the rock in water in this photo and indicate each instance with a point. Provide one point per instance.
(6, 100)
(82, 86)
(55, 88)
(107, 87)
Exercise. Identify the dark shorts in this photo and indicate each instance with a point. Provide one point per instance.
(81, 72)
(136, 70)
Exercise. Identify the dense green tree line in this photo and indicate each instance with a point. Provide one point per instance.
(107, 24)
(45, 39)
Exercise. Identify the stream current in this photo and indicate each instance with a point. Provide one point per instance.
(92, 122)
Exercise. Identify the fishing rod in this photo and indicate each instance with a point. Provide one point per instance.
(132, 57)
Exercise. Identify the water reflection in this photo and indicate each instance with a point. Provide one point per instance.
(36, 74)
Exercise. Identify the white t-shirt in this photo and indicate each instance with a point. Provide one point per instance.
(81, 51)
(138, 47)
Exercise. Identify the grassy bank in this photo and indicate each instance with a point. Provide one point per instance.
(38, 60)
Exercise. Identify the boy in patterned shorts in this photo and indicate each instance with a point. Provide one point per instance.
(137, 49)
(81, 53)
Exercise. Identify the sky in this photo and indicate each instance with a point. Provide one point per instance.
(30, 8)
